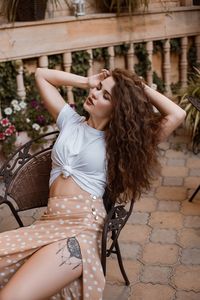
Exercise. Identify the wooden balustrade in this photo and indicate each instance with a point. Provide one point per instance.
(130, 61)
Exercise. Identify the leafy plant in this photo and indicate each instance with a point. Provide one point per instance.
(193, 115)
(8, 8)
(120, 5)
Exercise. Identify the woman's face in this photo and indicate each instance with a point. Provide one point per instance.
(99, 101)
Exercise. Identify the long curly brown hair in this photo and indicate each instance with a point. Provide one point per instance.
(131, 139)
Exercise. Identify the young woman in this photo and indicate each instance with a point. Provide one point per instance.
(58, 257)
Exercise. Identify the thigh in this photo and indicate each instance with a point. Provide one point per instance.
(47, 271)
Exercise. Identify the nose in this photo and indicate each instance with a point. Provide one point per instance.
(94, 93)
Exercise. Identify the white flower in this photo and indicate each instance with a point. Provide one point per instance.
(28, 120)
(16, 107)
(8, 110)
(14, 102)
(36, 126)
(22, 104)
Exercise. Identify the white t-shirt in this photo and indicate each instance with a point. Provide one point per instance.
(79, 152)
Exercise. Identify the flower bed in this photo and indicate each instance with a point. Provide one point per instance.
(22, 116)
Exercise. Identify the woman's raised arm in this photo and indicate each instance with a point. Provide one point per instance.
(173, 114)
(47, 81)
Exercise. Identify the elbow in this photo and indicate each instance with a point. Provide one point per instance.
(181, 116)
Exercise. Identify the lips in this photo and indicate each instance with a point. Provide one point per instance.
(89, 101)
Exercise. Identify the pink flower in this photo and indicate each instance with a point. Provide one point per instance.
(2, 136)
(12, 128)
(5, 122)
(8, 132)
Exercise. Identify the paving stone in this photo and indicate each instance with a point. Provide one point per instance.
(190, 238)
(116, 292)
(190, 256)
(164, 236)
(167, 205)
(187, 278)
(138, 218)
(156, 274)
(192, 182)
(193, 163)
(171, 171)
(192, 221)
(172, 181)
(130, 250)
(8, 223)
(194, 172)
(145, 204)
(164, 145)
(135, 233)
(171, 193)
(148, 291)
(166, 220)
(190, 208)
(182, 295)
(176, 162)
(175, 154)
(160, 254)
(113, 273)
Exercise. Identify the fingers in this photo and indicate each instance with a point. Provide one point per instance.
(106, 73)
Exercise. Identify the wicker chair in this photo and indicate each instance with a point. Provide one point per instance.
(26, 178)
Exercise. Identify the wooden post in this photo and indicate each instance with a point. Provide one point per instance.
(183, 63)
(43, 61)
(197, 44)
(149, 47)
(21, 92)
(90, 70)
(67, 62)
(167, 68)
(130, 58)
(111, 57)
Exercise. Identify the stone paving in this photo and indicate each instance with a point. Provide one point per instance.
(161, 243)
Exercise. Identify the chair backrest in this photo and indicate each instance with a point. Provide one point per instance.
(26, 174)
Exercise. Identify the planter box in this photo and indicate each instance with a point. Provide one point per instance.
(31, 10)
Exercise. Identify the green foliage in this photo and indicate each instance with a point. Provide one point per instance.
(159, 82)
(125, 5)
(8, 86)
(122, 49)
(102, 55)
(175, 45)
(80, 66)
(158, 46)
(175, 88)
(192, 59)
(144, 63)
(193, 115)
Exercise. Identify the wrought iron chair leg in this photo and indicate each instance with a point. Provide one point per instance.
(14, 213)
(121, 264)
(194, 194)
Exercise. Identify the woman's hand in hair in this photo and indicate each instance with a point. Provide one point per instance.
(94, 80)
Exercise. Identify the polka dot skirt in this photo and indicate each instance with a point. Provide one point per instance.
(81, 217)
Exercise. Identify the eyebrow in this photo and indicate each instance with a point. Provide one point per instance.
(101, 85)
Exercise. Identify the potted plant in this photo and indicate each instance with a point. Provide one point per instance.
(189, 97)
(25, 10)
(125, 5)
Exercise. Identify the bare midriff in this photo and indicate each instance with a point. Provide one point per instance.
(65, 187)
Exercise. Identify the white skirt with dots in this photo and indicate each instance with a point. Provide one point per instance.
(81, 217)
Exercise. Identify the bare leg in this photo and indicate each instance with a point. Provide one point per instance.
(46, 272)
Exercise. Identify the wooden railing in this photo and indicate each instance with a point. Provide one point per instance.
(65, 35)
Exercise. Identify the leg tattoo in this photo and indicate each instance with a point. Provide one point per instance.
(69, 250)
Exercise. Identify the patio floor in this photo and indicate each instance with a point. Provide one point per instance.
(161, 243)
